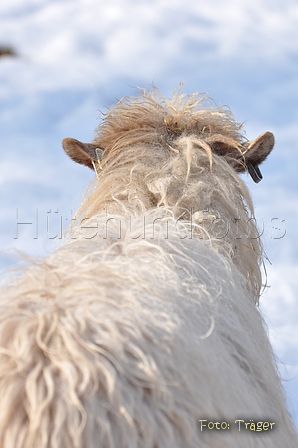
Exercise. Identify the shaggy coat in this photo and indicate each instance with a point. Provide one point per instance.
(144, 327)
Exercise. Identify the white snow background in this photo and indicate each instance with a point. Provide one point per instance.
(76, 57)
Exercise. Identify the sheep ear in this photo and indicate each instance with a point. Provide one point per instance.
(256, 152)
(84, 153)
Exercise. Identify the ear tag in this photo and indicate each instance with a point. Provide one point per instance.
(255, 172)
(99, 154)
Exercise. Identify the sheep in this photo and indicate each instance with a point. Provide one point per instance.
(143, 328)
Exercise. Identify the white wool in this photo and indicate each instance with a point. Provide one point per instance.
(144, 323)
(131, 341)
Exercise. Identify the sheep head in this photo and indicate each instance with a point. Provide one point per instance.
(162, 125)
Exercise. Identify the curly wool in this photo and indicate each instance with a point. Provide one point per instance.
(155, 159)
(144, 322)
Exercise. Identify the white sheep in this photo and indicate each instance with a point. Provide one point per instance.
(142, 330)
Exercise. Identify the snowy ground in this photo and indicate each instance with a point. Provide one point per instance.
(77, 56)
